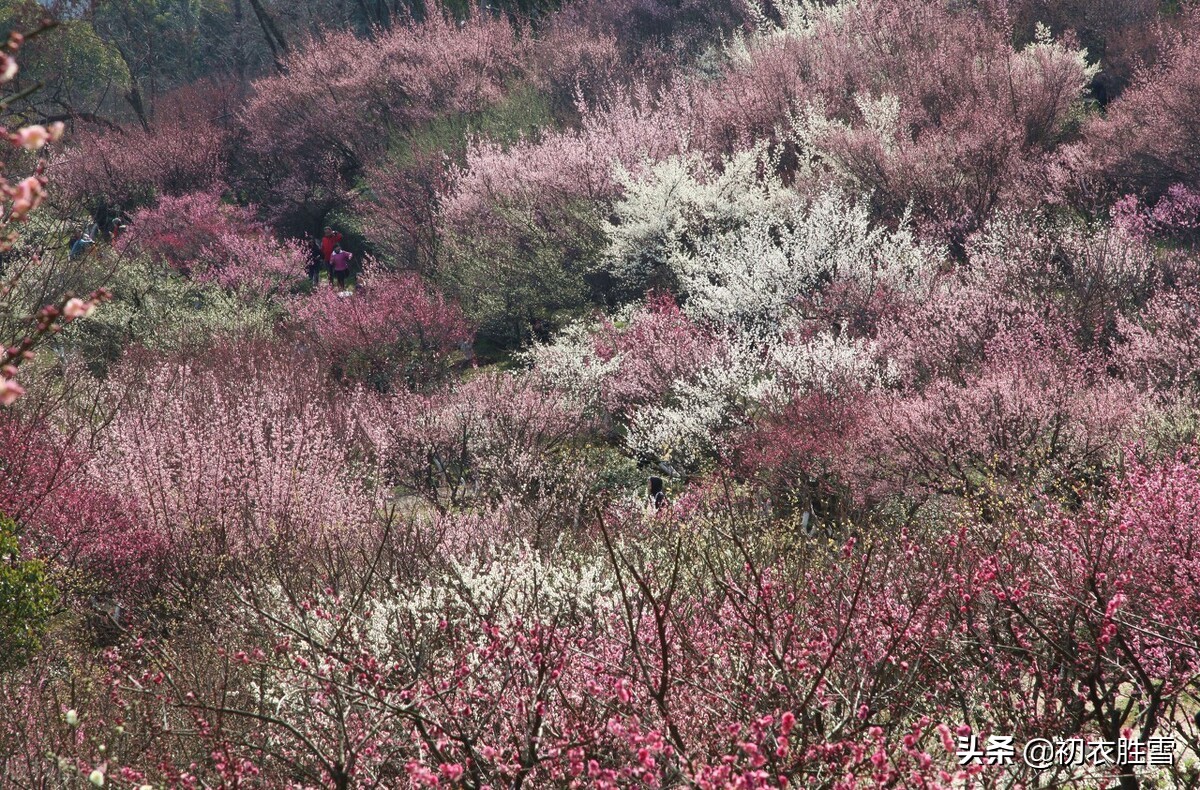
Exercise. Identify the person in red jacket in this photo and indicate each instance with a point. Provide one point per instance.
(329, 241)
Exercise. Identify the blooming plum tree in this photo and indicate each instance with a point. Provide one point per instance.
(211, 241)
(394, 329)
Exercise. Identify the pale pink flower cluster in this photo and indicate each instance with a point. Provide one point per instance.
(35, 136)
(10, 390)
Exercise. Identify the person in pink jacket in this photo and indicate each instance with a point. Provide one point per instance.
(339, 266)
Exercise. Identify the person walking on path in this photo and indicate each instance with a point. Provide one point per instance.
(329, 243)
(339, 266)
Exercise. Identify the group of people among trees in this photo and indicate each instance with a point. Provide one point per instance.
(333, 258)
(79, 246)
(327, 254)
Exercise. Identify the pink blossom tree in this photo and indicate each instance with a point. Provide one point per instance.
(342, 96)
(1140, 144)
(395, 328)
(212, 241)
(232, 458)
(87, 532)
(935, 109)
(110, 172)
(492, 438)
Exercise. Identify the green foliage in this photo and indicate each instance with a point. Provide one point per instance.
(26, 600)
(78, 70)
(616, 472)
(534, 269)
(521, 113)
(155, 307)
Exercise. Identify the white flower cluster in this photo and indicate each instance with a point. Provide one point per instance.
(748, 254)
(825, 362)
(754, 275)
(743, 246)
(569, 362)
(684, 429)
(514, 582)
(759, 369)
(671, 205)
(788, 19)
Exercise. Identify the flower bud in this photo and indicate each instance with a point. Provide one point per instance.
(8, 67)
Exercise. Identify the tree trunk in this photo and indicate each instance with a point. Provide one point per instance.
(275, 40)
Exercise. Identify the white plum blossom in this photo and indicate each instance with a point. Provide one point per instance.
(825, 362)
(759, 370)
(512, 582)
(683, 429)
(682, 199)
(789, 19)
(569, 361)
(754, 275)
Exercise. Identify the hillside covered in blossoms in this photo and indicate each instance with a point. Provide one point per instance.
(599, 394)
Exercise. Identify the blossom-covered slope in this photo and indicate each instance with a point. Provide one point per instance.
(722, 395)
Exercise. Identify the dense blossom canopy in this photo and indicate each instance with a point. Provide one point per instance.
(719, 395)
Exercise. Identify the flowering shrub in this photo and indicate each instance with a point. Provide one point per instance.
(679, 203)
(114, 171)
(1140, 145)
(759, 274)
(566, 165)
(178, 229)
(676, 390)
(945, 116)
(85, 531)
(492, 438)
(1160, 349)
(231, 458)
(393, 329)
(1176, 213)
(211, 241)
(406, 77)
(1035, 412)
